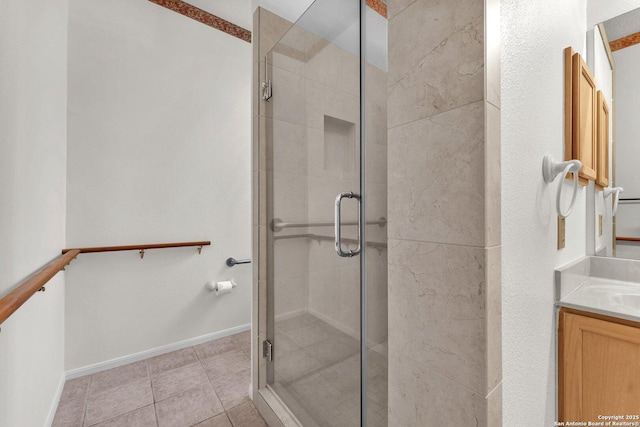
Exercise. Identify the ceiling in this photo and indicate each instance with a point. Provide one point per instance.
(623, 25)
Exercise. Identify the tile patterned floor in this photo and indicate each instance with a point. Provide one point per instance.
(205, 386)
(317, 374)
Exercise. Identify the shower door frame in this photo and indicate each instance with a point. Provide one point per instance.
(270, 406)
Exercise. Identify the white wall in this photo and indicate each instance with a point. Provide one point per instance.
(159, 151)
(33, 95)
(599, 11)
(533, 39)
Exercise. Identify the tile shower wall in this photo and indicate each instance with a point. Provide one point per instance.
(311, 132)
(444, 213)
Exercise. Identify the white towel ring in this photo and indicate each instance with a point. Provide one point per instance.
(551, 169)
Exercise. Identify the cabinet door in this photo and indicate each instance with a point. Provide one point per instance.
(603, 141)
(599, 363)
(584, 117)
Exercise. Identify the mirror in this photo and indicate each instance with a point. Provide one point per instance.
(614, 56)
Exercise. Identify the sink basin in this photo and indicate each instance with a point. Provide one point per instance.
(619, 295)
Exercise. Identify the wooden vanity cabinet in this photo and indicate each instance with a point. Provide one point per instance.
(598, 366)
(580, 116)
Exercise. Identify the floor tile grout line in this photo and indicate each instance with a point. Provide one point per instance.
(224, 410)
(236, 346)
(86, 400)
(155, 411)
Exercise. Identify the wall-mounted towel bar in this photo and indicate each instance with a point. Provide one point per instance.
(232, 261)
(277, 224)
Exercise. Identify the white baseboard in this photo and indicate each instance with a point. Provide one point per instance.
(124, 360)
(56, 400)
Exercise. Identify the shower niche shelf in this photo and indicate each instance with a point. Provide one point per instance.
(339, 145)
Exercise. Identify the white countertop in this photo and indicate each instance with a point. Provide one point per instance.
(615, 298)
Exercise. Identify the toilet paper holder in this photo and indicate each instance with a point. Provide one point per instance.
(221, 288)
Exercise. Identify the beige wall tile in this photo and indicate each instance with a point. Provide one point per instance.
(494, 316)
(255, 84)
(324, 100)
(376, 105)
(324, 293)
(335, 67)
(260, 75)
(492, 176)
(289, 52)
(494, 404)
(268, 28)
(436, 178)
(288, 104)
(437, 309)
(291, 294)
(290, 257)
(315, 150)
(322, 196)
(443, 68)
(376, 163)
(287, 150)
(419, 397)
(377, 321)
(260, 377)
(255, 185)
(394, 7)
(259, 153)
(264, 204)
(261, 255)
(289, 197)
(322, 254)
(376, 274)
(254, 240)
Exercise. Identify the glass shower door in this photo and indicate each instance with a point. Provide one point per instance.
(313, 156)
(316, 256)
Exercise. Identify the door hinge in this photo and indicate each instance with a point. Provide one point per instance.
(267, 350)
(266, 90)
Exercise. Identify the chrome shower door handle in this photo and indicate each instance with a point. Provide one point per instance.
(338, 240)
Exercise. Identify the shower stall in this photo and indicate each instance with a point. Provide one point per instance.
(320, 159)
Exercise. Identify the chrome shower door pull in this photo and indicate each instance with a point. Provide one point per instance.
(339, 251)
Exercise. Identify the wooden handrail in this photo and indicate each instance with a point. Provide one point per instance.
(137, 247)
(14, 300)
(628, 239)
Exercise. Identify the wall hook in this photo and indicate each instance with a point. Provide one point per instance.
(199, 249)
(551, 169)
(141, 253)
(615, 190)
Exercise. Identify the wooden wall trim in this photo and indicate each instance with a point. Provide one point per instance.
(379, 6)
(206, 18)
(621, 43)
